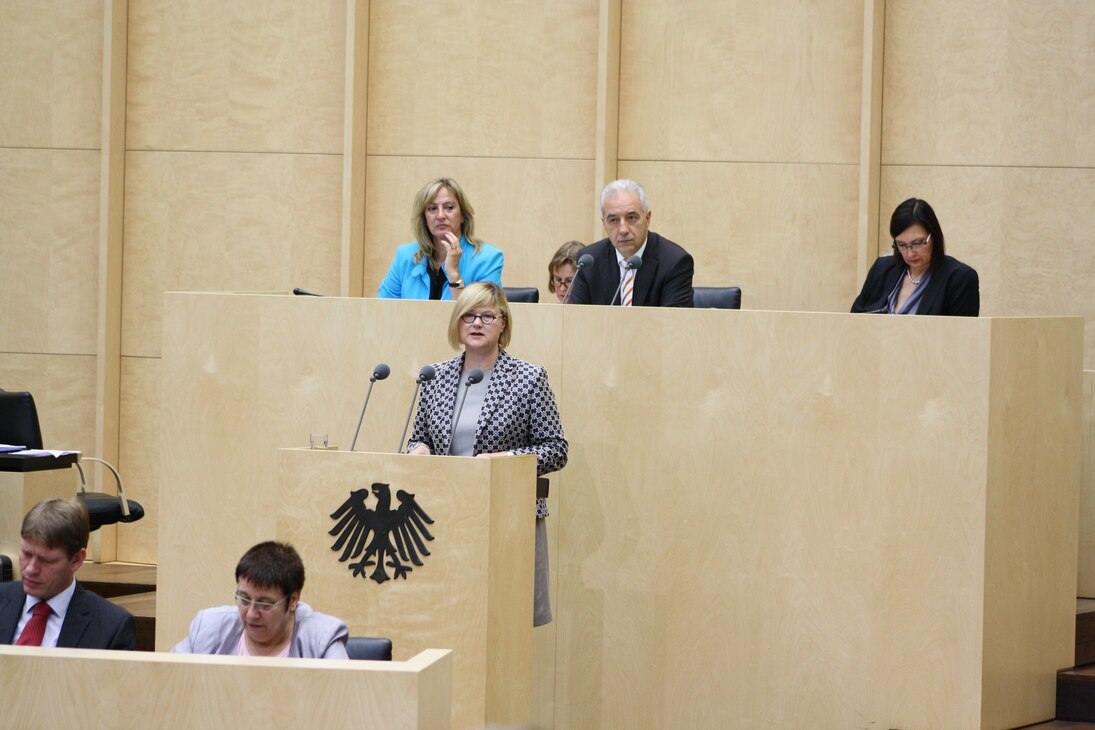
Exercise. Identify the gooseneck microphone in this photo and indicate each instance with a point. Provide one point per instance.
(426, 373)
(380, 372)
(633, 263)
(475, 375)
(305, 293)
(583, 262)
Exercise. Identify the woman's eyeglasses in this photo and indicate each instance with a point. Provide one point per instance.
(912, 245)
(485, 317)
(261, 606)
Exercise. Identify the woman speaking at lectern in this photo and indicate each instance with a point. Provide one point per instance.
(510, 410)
(919, 278)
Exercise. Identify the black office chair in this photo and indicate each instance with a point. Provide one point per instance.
(716, 297)
(19, 420)
(368, 647)
(19, 426)
(528, 294)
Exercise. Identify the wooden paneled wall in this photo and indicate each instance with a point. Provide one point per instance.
(273, 145)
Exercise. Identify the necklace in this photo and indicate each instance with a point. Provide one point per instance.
(915, 281)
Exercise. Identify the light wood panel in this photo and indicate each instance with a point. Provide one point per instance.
(838, 579)
(1036, 384)
(68, 687)
(49, 246)
(741, 541)
(783, 233)
(478, 574)
(225, 222)
(983, 82)
(51, 53)
(741, 81)
(1025, 230)
(241, 76)
(1086, 582)
(483, 79)
(527, 208)
(139, 451)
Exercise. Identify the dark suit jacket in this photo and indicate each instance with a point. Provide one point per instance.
(664, 279)
(92, 622)
(953, 289)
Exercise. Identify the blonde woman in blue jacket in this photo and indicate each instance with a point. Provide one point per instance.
(445, 255)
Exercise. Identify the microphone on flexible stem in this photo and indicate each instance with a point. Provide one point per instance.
(632, 263)
(380, 372)
(305, 293)
(584, 261)
(426, 373)
(474, 376)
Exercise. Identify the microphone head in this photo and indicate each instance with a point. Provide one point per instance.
(381, 371)
(585, 260)
(426, 373)
(474, 376)
(634, 262)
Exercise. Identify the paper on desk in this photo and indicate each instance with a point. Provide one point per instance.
(5, 448)
(41, 452)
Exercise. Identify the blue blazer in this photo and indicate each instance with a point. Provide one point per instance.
(92, 622)
(408, 280)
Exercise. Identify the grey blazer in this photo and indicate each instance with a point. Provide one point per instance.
(218, 630)
(519, 414)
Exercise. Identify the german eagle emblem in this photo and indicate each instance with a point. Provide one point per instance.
(382, 537)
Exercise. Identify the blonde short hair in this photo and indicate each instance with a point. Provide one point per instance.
(474, 296)
(424, 197)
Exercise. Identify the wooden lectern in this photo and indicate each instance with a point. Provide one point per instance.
(472, 592)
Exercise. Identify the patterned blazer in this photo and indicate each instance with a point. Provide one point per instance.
(519, 414)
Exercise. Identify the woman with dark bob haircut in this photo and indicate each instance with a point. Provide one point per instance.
(268, 618)
(919, 278)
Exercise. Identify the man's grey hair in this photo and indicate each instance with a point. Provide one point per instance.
(625, 186)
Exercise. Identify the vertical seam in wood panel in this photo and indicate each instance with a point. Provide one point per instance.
(111, 233)
(870, 134)
(608, 101)
(354, 158)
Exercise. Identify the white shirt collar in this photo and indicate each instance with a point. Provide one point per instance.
(620, 260)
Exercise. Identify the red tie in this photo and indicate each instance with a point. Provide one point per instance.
(36, 627)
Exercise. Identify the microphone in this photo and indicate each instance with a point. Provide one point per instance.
(304, 292)
(474, 376)
(380, 372)
(426, 373)
(632, 263)
(584, 261)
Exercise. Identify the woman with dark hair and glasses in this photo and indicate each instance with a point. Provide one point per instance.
(511, 411)
(269, 618)
(919, 278)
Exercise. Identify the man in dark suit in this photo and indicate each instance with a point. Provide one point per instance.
(664, 279)
(48, 607)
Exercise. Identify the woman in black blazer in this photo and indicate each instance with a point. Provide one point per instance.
(919, 278)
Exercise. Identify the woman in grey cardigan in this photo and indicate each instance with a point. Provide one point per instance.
(269, 618)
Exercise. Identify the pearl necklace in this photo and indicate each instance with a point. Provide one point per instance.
(908, 273)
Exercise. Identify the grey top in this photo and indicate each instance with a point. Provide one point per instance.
(463, 437)
(218, 630)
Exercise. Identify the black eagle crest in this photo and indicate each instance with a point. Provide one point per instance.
(384, 537)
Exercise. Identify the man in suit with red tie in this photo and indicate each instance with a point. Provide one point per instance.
(49, 607)
(664, 279)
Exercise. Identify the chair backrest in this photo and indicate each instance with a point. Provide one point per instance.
(19, 420)
(368, 647)
(528, 294)
(716, 297)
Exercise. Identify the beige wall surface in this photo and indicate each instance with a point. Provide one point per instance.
(987, 114)
(778, 555)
